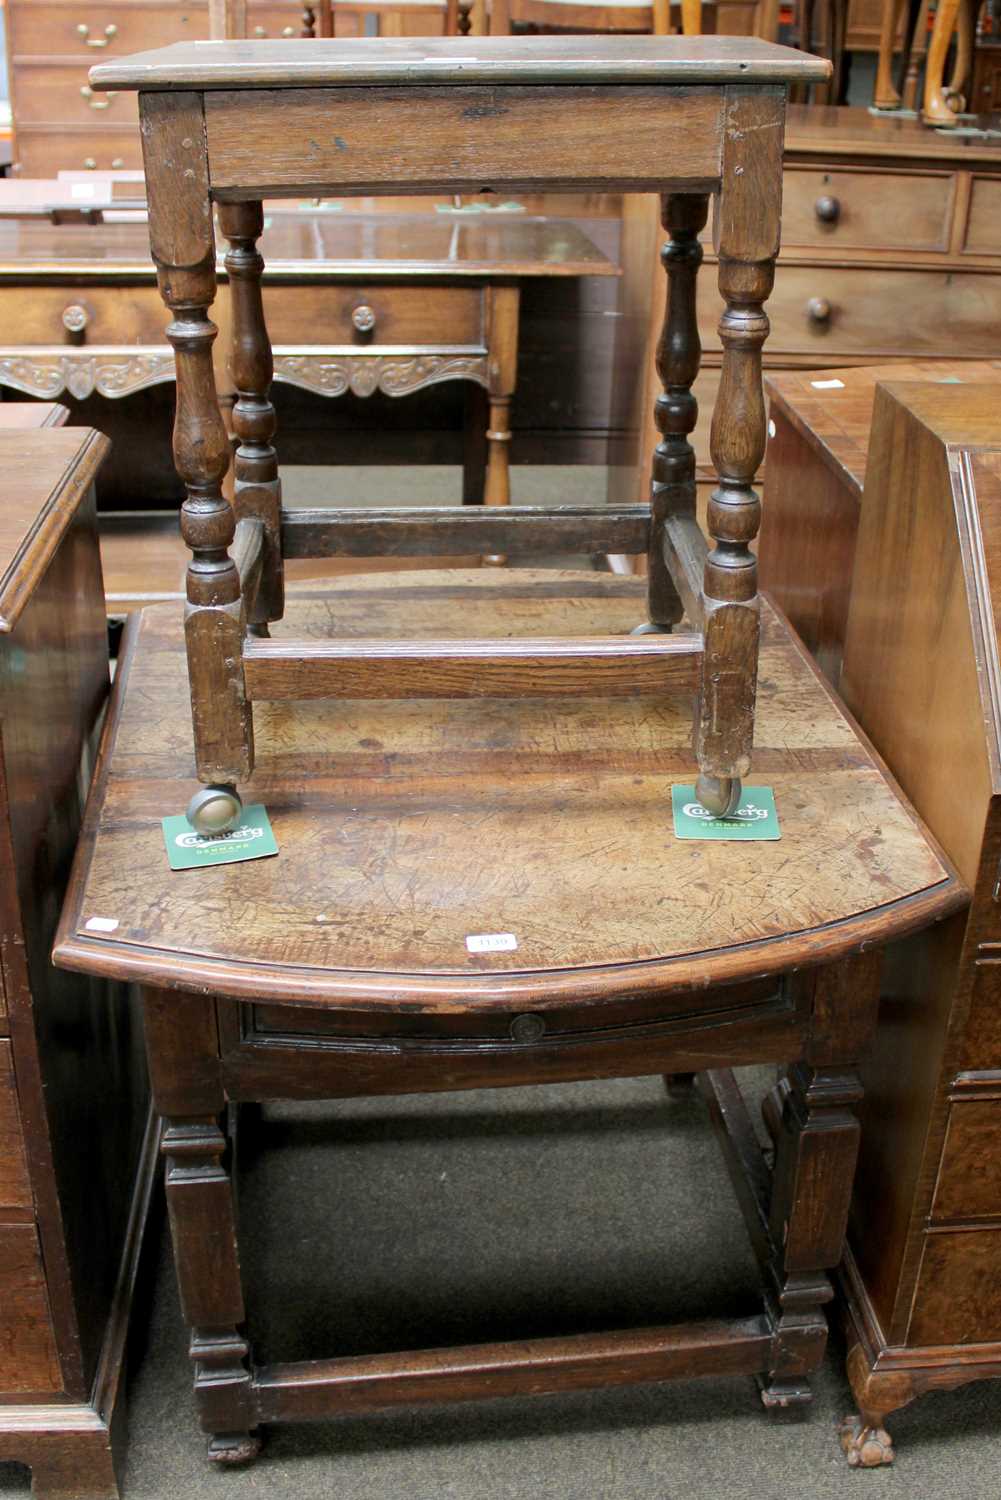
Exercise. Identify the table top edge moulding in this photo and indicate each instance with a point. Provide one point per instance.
(451, 61)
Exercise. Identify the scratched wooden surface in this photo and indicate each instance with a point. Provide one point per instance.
(406, 826)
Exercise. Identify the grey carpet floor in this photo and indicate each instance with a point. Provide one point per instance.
(402, 1223)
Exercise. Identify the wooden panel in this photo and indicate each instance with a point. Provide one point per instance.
(983, 225)
(875, 210)
(15, 1190)
(958, 1297)
(46, 152)
(56, 93)
(871, 312)
(27, 1344)
(370, 140)
(44, 30)
(114, 315)
(412, 314)
(969, 1181)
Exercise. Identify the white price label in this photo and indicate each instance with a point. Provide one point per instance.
(492, 942)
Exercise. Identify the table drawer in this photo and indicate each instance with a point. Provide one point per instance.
(958, 1297)
(414, 314)
(983, 223)
(98, 31)
(969, 1179)
(28, 1360)
(110, 314)
(15, 1190)
(61, 94)
(43, 153)
(866, 210)
(827, 312)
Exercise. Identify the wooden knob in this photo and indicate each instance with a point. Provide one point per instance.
(818, 310)
(288, 31)
(117, 162)
(363, 318)
(75, 319)
(83, 32)
(260, 31)
(827, 209)
(90, 165)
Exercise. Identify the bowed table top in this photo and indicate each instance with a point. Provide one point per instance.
(405, 827)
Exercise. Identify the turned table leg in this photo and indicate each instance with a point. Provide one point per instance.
(679, 352)
(885, 95)
(935, 110)
(183, 245)
(182, 1045)
(503, 303)
(747, 236)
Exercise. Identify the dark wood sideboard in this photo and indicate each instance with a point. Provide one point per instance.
(77, 1143)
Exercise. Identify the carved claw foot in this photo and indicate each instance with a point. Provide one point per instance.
(865, 1445)
(234, 1448)
(789, 1394)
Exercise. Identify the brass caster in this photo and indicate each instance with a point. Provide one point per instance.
(719, 795)
(865, 1446)
(649, 628)
(234, 1448)
(214, 809)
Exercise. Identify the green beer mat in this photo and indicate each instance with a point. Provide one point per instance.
(251, 839)
(755, 817)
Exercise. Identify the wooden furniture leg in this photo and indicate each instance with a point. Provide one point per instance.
(747, 235)
(935, 110)
(182, 1044)
(257, 492)
(916, 53)
(691, 17)
(885, 94)
(503, 306)
(768, 20)
(679, 352)
(966, 22)
(183, 247)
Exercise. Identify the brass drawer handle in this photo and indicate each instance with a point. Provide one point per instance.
(827, 209)
(363, 318)
(818, 310)
(110, 32)
(88, 93)
(75, 319)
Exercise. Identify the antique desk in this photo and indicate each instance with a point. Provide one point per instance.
(341, 968)
(818, 445)
(78, 1147)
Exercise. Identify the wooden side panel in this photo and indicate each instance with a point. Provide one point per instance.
(969, 1183)
(28, 1359)
(350, 140)
(15, 1190)
(958, 1298)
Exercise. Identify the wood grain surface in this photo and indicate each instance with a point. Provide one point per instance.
(405, 827)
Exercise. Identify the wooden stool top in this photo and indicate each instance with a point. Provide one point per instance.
(428, 61)
(405, 827)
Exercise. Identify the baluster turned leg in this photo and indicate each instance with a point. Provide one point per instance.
(747, 229)
(258, 487)
(502, 371)
(679, 353)
(182, 1046)
(183, 245)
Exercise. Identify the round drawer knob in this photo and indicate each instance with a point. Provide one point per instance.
(827, 209)
(363, 318)
(90, 165)
(818, 310)
(117, 162)
(528, 1028)
(110, 32)
(75, 319)
(260, 31)
(288, 31)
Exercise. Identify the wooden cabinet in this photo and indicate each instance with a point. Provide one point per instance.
(891, 249)
(77, 1149)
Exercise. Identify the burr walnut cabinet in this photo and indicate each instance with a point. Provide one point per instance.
(77, 1144)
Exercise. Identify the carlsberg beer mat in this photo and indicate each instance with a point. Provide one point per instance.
(252, 838)
(755, 817)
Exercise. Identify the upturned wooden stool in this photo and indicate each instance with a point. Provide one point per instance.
(364, 958)
(231, 122)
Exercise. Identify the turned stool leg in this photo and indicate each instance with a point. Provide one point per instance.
(182, 1045)
(258, 488)
(502, 368)
(679, 352)
(747, 233)
(885, 95)
(183, 245)
(935, 110)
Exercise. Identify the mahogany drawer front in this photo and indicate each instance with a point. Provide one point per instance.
(43, 153)
(983, 222)
(373, 315)
(826, 312)
(28, 1359)
(958, 1297)
(15, 1189)
(982, 1040)
(96, 31)
(110, 314)
(969, 1179)
(62, 95)
(866, 210)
